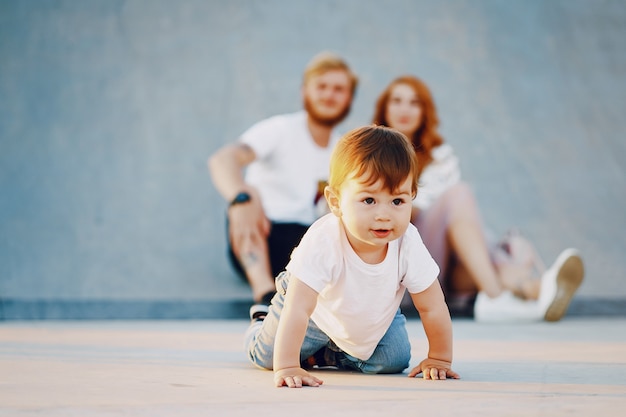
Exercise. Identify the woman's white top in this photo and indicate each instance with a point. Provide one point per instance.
(441, 174)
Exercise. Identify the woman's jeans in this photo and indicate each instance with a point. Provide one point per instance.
(392, 355)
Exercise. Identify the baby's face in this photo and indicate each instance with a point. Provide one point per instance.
(373, 215)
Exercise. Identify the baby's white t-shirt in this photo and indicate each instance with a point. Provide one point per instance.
(357, 301)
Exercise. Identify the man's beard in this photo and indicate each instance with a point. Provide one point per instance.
(329, 121)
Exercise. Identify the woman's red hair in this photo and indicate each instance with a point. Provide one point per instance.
(426, 137)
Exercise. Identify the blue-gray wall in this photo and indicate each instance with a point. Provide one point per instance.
(109, 110)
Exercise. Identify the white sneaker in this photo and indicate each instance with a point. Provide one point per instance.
(559, 283)
(258, 312)
(506, 308)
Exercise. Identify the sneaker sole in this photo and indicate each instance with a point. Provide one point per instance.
(258, 311)
(568, 280)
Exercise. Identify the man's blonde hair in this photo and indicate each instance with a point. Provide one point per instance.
(328, 61)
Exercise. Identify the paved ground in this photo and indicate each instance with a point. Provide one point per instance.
(187, 368)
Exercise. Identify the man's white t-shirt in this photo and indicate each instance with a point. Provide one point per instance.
(288, 168)
(357, 301)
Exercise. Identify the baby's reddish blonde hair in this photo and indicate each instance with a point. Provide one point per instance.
(374, 153)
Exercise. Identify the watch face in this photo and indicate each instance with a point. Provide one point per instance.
(241, 198)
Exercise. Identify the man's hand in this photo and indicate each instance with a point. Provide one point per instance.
(295, 378)
(434, 369)
(248, 227)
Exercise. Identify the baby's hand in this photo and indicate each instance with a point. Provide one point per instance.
(295, 378)
(434, 369)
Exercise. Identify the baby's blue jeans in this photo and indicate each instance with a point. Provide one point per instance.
(392, 355)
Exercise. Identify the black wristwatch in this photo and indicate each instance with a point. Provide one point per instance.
(242, 197)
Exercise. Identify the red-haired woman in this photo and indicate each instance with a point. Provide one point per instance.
(509, 280)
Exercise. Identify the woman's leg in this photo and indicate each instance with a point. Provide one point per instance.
(452, 229)
(467, 241)
(544, 296)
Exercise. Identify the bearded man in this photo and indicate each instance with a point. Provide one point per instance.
(272, 177)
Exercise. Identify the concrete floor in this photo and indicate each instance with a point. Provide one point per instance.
(188, 368)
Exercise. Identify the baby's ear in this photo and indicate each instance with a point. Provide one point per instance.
(332, 198)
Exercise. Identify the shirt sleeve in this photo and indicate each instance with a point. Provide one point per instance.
(264, 136)
(315, 261)
(419, 269)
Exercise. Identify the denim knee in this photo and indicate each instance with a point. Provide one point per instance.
(393, 353)
(390, 365)
(258, 353)
(261, 361)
